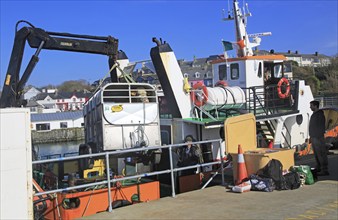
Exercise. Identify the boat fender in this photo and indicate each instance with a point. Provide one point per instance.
(283, 82)
(199, 101)
(120, 203)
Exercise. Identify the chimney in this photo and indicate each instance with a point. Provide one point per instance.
(296, 52)
(289, 51)
(316, 53)
(272, 51)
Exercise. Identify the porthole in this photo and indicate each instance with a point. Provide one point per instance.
(299, 119)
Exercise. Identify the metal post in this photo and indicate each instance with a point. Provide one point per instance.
(254, 99)
(172, 171)
(108, 179)
(222, 162)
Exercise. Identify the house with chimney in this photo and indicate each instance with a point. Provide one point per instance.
(51, 100)
(31, 92)
(72, 101)
(315, 60)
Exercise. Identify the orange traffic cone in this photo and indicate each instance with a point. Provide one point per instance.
(241, 168)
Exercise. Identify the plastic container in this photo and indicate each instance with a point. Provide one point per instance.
(243, 187)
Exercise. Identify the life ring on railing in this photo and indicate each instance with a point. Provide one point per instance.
(221, 83)
(281, 83)
(201, 100)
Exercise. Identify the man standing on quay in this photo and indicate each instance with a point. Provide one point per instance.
(316, 131)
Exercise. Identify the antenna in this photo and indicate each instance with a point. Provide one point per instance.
(260, 34)
(244, 15)
(229, 17)
(247, 9)
(246, 12)
(228, 7)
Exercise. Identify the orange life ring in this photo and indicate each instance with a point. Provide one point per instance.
(199, 102)
(221, 83)
(279, 88)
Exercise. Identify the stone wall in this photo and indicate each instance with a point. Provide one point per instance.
(58, 135)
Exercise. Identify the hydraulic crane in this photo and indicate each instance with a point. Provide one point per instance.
(41, 39)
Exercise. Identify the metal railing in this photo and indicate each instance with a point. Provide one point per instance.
(265, 101)
(328, 101)
(109, 180)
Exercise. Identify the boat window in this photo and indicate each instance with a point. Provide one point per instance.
(234, 69)
(165, 137)
(299, 119)
(287, 67)
(222, 72)
(259, 73)
(278, 71)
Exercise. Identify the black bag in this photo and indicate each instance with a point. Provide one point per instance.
(274, 170)
(292, 180)
(261, 184)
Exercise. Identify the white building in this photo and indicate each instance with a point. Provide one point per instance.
(314, 60)
(31, 93)
(47, 100)
(58, 120)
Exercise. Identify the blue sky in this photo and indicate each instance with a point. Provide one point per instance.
(192, 28)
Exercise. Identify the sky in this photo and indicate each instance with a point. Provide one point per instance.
(192, 28)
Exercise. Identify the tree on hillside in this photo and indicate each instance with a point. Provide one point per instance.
(314, 83)
(331, 84)
(328, 76)
(74, 85)
(307, 74)
(302, 72)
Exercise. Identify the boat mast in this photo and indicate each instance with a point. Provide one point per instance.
(241, 34)
(243, 44)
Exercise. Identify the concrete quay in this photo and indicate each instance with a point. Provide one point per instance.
(317, 201)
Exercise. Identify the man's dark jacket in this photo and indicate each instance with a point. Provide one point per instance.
(317, 124)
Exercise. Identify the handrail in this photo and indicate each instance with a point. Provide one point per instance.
(288, 134)
(108, 179)
(122, 151)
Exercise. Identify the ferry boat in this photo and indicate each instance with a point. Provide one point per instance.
(129, 152)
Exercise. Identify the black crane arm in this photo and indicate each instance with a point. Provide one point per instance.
(41, 39)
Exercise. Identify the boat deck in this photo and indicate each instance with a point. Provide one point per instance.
(317, 201)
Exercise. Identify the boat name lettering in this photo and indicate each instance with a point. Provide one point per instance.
(66, 44)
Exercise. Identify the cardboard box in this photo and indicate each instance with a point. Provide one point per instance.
(241, 130)
(191, 182)
(257, 159)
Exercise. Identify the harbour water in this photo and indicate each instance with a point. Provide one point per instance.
(55, 150)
